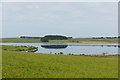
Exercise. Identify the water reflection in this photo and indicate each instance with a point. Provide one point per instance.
(73, 48)
(118, 46)
(54, 46)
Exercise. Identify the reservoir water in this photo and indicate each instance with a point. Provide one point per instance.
(72, 48)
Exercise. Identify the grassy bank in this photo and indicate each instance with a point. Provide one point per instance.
(73, 40)
(18, 64)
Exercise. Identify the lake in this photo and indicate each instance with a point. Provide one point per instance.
(72, 48)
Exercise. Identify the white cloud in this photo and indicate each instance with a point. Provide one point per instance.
(60, 17)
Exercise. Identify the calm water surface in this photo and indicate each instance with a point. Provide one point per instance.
(73, 48)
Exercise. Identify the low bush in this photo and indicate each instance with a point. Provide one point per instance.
(61, 52)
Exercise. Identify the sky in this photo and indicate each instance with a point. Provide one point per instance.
(59, 0)
(76, 19)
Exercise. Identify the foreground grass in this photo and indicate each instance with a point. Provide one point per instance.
(73, 40)
(37, 65)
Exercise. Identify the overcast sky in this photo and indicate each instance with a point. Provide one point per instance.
(80, 19)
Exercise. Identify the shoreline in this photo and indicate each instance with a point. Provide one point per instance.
(65, 42)
(26, 62)
(98, 55)
(33, 47)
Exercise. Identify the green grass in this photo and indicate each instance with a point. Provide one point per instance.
(13, 48)
(21, 40)
(0, 62)
(17, 48)
(88, 40)
(73, 40)
(37, 65)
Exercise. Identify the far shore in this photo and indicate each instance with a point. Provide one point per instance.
(62, 42)
(73, 40)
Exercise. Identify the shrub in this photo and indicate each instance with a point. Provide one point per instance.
(44, 39)
(69, 54)
(19, 49)
(104, 53)
(82, 54)
(50, 52)
(61, 52)
(5, 49)
(32, 47)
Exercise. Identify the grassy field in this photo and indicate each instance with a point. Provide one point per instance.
(87, 40)
(73, 40)
(20, 40)
(18, 64)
